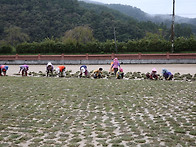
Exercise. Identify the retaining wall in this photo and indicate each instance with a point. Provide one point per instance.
(189, 58)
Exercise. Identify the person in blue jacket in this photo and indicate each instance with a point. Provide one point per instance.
(83, 70)
(3, 68)
(167, 75)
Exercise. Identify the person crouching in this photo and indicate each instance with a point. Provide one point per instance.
(153, 75)
(120, 74)
(3, 68)
(97, 73)
(167, 75)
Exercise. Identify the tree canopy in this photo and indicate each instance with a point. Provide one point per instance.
(36, 20)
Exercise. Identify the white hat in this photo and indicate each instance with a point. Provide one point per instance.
(83, 69)
(154, 69)
(49, 63)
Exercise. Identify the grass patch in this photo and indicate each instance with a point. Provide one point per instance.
(193, 132)
(69, 112)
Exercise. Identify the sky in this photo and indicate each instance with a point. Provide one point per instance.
(185, 8)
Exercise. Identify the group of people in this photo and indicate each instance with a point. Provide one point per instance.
(23, 69)
(60, 70)
(154, 76)
(115, 69)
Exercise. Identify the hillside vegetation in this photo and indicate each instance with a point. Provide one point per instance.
(186, 23)
(40, 19)
(79, 27)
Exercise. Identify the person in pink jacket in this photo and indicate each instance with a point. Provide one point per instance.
(115, 65)
(153, 75)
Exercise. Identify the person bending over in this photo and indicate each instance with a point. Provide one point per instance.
(83, 71)
(49, 69)
(61, 71)
(24, 69)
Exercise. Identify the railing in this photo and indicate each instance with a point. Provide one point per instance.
(138, 56)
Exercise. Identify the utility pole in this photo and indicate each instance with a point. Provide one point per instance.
(172, 27)
(115, 40)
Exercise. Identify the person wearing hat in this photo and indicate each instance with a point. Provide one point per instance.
(3, 68)
(49, 68)
(120, 73)
(97, 73)
(61, 71)
(167, 75)
(153, 75)
(115, 65)
(83, 70)
(24, 69)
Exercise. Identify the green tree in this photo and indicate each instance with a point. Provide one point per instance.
(14, 35)
(80, 34)
(182, 31)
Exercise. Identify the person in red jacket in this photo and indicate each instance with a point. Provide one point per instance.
(61, 71)
(3, 68)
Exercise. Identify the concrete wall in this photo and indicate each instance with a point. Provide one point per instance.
(167, 58)
(97, 62)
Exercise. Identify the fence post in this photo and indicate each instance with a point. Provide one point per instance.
(62, 56)
(112, 55)
(39, 56)
(86, 56)
(167, 55)
(139, 56)
(16, 57)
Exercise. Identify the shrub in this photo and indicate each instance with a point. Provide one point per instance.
(6, 49)
(143, 45)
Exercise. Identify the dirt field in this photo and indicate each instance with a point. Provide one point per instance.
(143, 68)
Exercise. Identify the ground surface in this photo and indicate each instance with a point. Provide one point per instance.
(40, 111)
(144, 68)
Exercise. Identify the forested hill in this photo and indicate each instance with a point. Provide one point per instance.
(140, 15)
(39, 19)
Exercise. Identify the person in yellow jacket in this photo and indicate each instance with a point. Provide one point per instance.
(120, 74)
(111, 68)
(97, 73)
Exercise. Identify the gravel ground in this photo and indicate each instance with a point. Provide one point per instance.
(143, 68)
